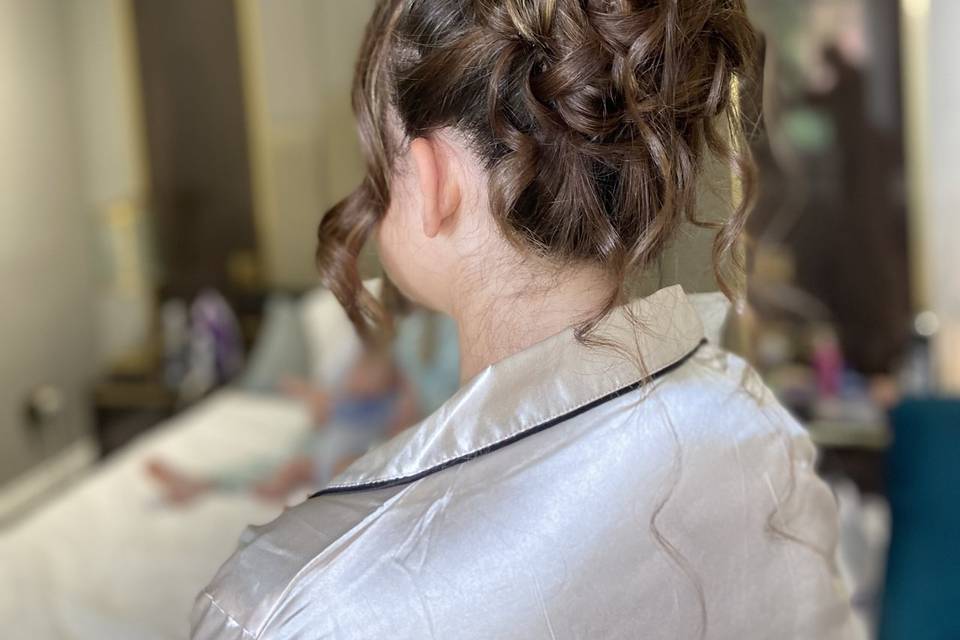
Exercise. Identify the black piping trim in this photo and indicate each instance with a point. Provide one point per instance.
(395, 482)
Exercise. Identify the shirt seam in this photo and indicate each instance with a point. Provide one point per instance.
(243, 629)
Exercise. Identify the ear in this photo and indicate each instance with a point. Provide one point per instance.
(439, 189)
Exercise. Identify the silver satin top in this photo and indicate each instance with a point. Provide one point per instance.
(566, 492)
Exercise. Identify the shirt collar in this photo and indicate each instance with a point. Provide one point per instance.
(537, 388)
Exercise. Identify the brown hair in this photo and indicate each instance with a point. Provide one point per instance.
(594, 119)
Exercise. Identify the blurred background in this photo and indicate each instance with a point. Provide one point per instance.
(164, 348)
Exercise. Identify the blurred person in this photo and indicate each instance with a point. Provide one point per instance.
(373, 402)
(604, 471)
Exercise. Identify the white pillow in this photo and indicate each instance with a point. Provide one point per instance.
(332, 342)
(280, 349)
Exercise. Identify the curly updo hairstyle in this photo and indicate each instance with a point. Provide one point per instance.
(594, 119)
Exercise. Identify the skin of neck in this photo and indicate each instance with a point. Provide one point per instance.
(506, 302)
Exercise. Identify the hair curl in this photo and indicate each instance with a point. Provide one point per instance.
(594, 119)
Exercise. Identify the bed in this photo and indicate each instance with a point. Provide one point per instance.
(106, 559)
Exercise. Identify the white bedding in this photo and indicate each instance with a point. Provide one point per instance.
(106, 560)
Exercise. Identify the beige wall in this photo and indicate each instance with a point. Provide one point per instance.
(47, 326)
(298, 61)
(103, 72)
(932, 89)
(944, 222)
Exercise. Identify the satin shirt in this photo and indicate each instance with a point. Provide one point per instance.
(568, 491)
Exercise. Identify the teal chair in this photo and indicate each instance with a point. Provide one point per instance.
(922, 593)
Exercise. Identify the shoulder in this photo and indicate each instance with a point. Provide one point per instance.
(727, 407)
(302, 540)
(740, 443)
(722, 388)
(744, 488)
(742, 446)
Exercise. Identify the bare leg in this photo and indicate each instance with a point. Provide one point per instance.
(179, 488)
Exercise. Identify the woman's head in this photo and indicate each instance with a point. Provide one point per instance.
(573, 132)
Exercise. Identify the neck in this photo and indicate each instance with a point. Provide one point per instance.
(497, 318)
